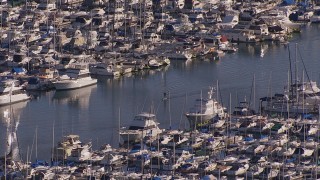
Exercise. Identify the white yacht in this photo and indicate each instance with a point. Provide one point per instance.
(77, 76)
(204, 110)
(105, 70)
(183, 55)
(143, 125)
(12, 92)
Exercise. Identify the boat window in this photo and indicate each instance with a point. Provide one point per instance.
(76, 139)
(84, 75)
(19, 91)
(4, 93)
(135, 127)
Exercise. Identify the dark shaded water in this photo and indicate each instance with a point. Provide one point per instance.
(93, 112)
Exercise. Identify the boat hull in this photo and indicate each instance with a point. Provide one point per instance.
(196, 119)
(138, 135)
(6, 100)
(131, 137)
(74, 84)
(104, 72)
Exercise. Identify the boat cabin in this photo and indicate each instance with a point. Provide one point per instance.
(71, 140)
(143, 121)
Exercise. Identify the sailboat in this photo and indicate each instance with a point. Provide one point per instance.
(298, 97)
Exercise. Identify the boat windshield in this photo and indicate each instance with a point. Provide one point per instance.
(135, 128)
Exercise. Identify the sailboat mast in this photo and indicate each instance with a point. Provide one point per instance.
(52, 152)
(217, 90)
(317, 150)
(229, 114)
(119, 125)
(254, 91)
(170, 111)
(5, 161)
(288, 94)
(296, 71)
(200, 109)
(290, 69)
(37, 143)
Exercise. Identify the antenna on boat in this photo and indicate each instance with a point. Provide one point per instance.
(209, 93)
(144, 103)
(217, 91)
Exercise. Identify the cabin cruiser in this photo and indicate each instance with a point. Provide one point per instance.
(76, 77)
(105, 70)
(143, 125)
(240, 35)
(243, 110)
(70, 147)
(204, 110)
(12, 92)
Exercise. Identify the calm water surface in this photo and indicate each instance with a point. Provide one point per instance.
(94, 112)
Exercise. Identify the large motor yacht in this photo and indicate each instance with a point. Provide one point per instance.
(204, 110)
(142, 125)
(77, 76)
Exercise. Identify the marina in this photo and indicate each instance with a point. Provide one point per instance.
(145, 111)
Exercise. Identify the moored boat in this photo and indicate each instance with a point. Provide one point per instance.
(12, 92)
(75, 77)
(204, 110)
(142, 125)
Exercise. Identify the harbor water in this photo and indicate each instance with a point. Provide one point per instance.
(96, 112)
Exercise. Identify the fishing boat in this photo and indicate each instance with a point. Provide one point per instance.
(204, 110)
(76, 76)
(12, 92)
(143, 125)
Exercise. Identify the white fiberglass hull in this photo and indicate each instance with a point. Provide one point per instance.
(138, 135)
(131, 136)
(6, 99)
(74, 83)
(194, 118)
(104, 72)
(315, 19)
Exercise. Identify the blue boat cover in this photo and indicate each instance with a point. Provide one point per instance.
(17, 70)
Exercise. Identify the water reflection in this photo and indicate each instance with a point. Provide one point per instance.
(79, 97)
(264, 48)
(10, 119)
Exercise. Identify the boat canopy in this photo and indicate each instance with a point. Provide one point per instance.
(18, 70)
